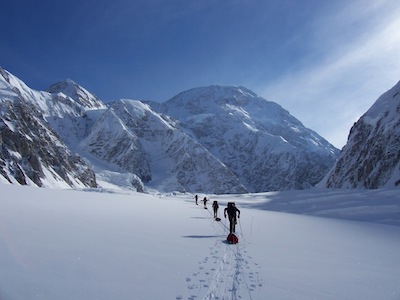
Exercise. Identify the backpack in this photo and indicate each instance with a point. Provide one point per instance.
(232, 239)
(231, 209)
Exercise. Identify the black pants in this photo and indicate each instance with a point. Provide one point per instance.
(232, 224)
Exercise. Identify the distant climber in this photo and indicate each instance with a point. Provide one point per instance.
(231, 210)
(196, 198)
(215, 207)
(205, 202)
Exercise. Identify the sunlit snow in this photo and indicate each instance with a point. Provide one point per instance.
(116, 244)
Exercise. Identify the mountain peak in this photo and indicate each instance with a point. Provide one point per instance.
(67, 86)
(218, 94)
(79, 94)
(386, 104)
(370, 159)
(254, 137)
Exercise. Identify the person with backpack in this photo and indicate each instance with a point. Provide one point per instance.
(231, 211)
(215, 207)
(205, 202)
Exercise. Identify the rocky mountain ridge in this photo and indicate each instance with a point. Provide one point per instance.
(31, 152)
(371, 157)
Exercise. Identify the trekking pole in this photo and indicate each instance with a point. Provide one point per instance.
(241, 230)
(224, 223)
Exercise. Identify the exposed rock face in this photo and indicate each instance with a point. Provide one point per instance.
(30, 150)
(371, 157)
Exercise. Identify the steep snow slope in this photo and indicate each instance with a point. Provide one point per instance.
(371, 157)
(135, 139)
(266, 147)
(73, 111)
(30, 150)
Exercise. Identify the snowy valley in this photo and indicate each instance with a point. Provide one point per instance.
(116, 218)
(214, 139)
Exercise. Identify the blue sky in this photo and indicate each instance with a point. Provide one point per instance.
(326, 62)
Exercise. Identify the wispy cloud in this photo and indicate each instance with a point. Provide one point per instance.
(360, 61)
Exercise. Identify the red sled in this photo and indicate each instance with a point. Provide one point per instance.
(232, 238)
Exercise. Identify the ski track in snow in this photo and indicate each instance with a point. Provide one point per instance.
(227, 272)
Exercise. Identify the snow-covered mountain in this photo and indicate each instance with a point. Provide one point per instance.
(31, 152)
(212, 140)
(131, 136)
(371, 157)
(73, 111)
(266, 147)
(81, 96)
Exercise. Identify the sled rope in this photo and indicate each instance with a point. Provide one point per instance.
(238, 259)
(238, 269)
(220, 223)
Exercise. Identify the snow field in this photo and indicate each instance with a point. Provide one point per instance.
(103, 244)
